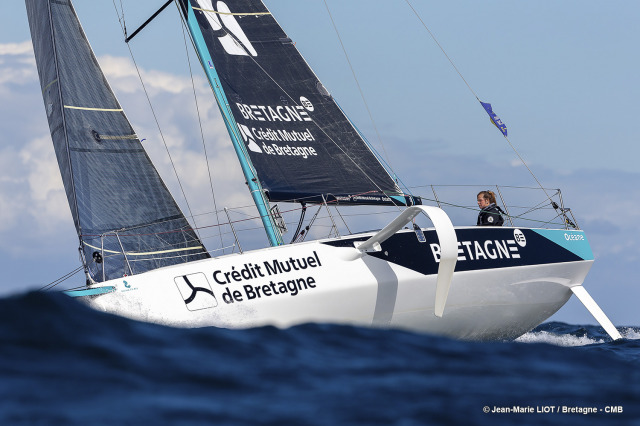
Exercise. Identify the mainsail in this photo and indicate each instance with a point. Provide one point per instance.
(126, 219)
(291, 131)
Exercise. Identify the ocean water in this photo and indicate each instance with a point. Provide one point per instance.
(62, 363)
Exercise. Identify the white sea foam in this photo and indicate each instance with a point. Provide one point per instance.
(557, 339)
(628, 333)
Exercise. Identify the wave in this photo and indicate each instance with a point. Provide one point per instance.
(64, 363)
(562, 334)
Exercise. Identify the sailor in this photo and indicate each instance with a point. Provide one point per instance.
(489, 211)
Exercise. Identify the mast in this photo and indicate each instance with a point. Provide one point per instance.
(257, 193)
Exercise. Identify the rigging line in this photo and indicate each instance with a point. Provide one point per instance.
(137, 253)
(300, 222)
(153, 112)
(380, 158)
(305, 231)
(343, 221)
(441, 48)
(226, 105)
(537, 206)
(120, 16)
(520, 216)
(234, 128)
(61, 279)
(204, 145)
(124, 23)
(346, 55)
(472, 91)
(527, 166)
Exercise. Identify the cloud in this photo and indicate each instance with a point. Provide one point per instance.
(29, 175)
(17, 64)
(123, 75)
(22, 48)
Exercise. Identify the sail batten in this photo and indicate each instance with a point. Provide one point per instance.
(296, 137)
(108, 178)
(93, 109)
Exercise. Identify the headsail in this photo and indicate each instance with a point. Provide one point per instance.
(297, 138)
(126, 219)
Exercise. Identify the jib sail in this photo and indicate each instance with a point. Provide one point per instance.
(290, 129)
(126, 219)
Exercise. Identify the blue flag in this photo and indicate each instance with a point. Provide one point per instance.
(495, 119)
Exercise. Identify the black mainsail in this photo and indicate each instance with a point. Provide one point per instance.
(298, 140)
(126, 219)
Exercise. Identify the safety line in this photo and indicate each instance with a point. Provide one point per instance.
(133, 253)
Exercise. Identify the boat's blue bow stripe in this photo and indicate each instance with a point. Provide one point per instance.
(90, 291)
(574, 241)
(482, 248)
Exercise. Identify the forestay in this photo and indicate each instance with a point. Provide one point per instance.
(298, 140)
(126, 218)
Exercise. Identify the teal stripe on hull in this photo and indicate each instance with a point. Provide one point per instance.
(90, 291)
(574, 241)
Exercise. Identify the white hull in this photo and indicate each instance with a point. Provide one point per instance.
(488, 303)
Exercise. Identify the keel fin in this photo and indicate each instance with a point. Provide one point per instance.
(593, 308)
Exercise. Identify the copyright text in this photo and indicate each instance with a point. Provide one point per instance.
(556, 409)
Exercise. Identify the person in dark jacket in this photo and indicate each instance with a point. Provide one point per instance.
(489, 211)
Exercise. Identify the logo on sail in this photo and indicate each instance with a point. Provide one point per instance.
(235, 41)
(249, 139)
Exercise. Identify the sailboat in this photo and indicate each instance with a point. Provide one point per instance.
(144, 260)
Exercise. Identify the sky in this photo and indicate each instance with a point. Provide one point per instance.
(563, 76)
